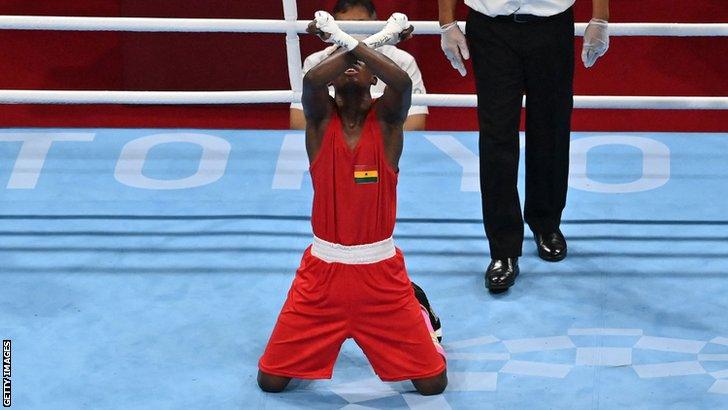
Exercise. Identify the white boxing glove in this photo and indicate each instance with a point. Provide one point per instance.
(453, 43)
(389, 35)
(326, 23)
(596, 41)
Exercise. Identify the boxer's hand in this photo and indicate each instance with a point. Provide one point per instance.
(596, 41)
(453, 43)
(329, 31)
(312, 29)
(397, 29)
(406, 34)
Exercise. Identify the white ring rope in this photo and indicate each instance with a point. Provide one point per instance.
(292, 27)
(149, 24)
(287, 96)
(293, 46)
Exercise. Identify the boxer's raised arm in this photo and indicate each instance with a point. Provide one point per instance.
(315, 99)
(397, 97)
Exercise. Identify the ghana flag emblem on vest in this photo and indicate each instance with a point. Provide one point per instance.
(365, 174)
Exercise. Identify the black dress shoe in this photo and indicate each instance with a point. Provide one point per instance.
(551, 246)
(501, 274)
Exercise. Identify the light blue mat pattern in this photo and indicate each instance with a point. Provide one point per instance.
(138, 297)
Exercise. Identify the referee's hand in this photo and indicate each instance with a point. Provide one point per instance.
(596, 41)
(453, 43)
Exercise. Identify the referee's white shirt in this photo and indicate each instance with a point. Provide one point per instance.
(507, 7)
(403, 59)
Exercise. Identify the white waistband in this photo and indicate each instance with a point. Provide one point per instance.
(353, 255)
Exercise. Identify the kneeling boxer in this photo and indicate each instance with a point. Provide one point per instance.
(352, 281)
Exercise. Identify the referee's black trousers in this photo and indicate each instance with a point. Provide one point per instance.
(510, 59)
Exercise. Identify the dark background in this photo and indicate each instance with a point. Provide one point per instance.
(220, 61)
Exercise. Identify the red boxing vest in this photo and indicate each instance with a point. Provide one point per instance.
(355, 191)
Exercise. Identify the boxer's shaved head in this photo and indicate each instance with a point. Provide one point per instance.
(358, 75)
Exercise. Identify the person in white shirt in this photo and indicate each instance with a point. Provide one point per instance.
(364, 10)
(522, 47)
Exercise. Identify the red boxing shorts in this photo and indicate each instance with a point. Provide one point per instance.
(372, 303)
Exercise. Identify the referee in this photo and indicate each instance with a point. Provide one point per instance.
(522, 47)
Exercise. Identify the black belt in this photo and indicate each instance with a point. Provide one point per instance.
(522, 18)
(525, 18)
